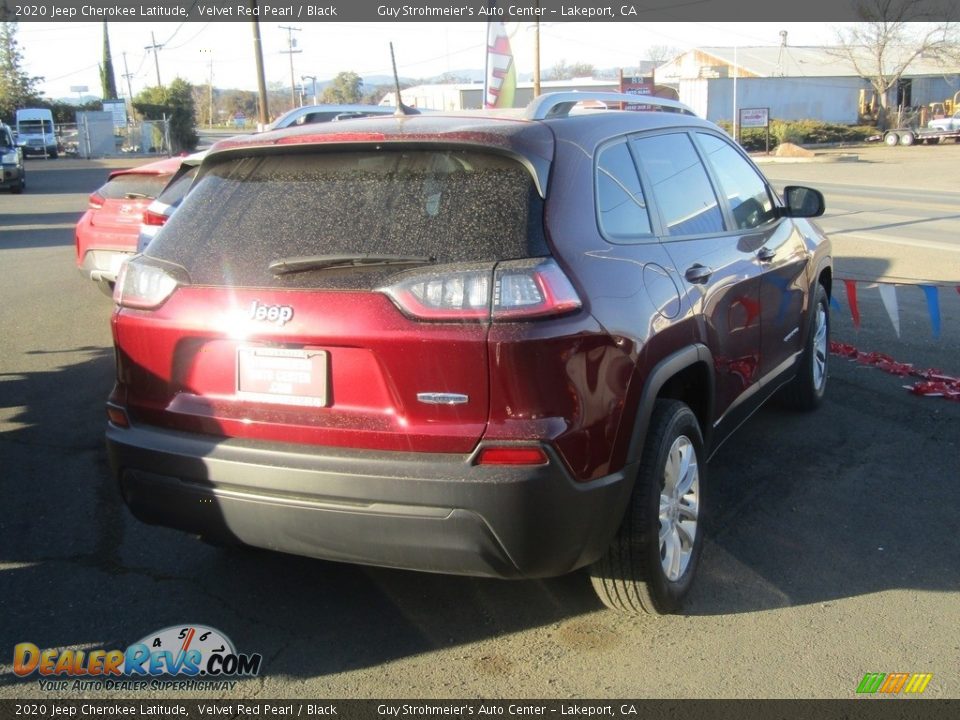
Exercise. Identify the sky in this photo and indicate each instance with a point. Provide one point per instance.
(423, 49)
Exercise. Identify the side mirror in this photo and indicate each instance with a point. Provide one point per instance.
(803, 202)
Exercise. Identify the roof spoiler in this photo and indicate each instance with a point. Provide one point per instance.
(559, 104)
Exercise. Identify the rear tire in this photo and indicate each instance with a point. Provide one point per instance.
(891, 139)
(652, 560)
(806, 390)
(907, 139)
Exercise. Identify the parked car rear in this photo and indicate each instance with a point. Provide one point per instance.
(312, 114)
(169, 199)
(495, 345)
(13, 174)
(106, 234)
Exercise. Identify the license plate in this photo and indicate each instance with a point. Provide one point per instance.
(289, 377)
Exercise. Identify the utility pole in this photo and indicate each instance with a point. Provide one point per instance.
(127, 75)
(536, 53)
(261, 78)
(291, 44)
(210, 85)
(156, 61)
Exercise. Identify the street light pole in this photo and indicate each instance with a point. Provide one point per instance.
(313, 79)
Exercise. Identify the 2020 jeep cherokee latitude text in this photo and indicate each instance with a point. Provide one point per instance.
(500, 346)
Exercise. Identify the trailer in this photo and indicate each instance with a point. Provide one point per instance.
(911, 136)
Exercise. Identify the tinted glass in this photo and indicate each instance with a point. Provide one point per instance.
(173, 193)
(35, 127)
(744, 189)
(455, 206)
(621, 207)
(133, 186)
(680, 185)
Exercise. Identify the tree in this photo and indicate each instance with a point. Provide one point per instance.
(661, 54)
(175, 103)
(882, 48)
(17, 89)
(562, 71)
(108, 82)
(345, 89)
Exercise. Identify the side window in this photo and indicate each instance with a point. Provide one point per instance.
(744, 189)
(681, 187)
(621, 207)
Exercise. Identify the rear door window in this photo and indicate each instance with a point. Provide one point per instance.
(680, 184)
(455, 206)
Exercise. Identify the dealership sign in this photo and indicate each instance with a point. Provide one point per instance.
(754, 117)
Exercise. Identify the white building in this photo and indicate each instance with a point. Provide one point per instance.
(469, 96)
(795, 83)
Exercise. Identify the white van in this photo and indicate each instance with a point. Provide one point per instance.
(35, 132)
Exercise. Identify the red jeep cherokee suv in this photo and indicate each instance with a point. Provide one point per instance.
(466, 343)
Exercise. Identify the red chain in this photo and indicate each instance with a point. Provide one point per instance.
(933, 383)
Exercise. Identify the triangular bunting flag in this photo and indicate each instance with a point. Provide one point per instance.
(933, 306)
(852, 299)
(888, 293)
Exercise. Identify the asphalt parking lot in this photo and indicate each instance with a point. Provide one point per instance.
(832, 550)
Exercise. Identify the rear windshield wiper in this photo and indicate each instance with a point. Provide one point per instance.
(305, 263)
(134, 196)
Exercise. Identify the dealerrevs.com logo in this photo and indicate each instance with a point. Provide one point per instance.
(181, 657)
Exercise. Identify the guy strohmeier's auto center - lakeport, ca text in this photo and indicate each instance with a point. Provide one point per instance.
(480, 11)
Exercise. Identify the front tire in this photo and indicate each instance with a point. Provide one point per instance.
(651, 562)
(806, 390)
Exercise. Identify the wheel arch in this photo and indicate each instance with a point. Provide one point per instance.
(685, 375)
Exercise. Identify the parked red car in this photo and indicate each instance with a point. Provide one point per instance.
(107, 233)
(497, 345)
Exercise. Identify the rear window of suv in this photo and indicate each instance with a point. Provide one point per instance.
(133, 186)
(455, 206)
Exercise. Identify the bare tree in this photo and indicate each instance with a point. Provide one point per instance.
(893, 36)
(662, 53)
(564, 71)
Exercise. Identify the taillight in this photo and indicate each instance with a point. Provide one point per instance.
(153, 218)
(117, 416)
(95, 201)
(511, 456)
(144, 285)
(514, 290)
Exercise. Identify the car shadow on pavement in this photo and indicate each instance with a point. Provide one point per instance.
(853, 499)
(37, 230)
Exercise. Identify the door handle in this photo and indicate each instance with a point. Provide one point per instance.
(766, 254)
(698, 273)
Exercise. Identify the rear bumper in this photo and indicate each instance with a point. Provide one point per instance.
(38, 150)
(419, 511)
(103, 265)
(10, 176)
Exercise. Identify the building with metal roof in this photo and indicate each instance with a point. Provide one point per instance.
(795, 83)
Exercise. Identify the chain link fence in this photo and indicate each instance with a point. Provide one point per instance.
(88, 139)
